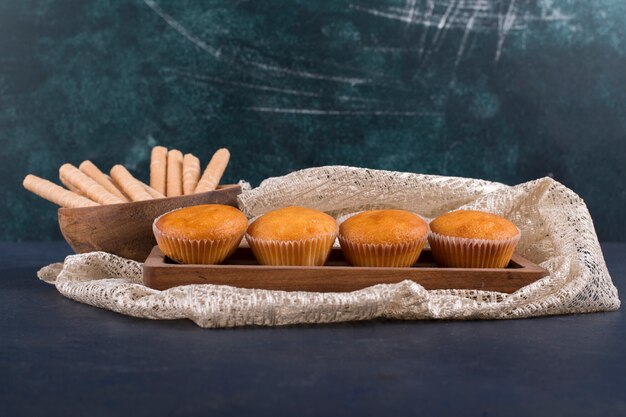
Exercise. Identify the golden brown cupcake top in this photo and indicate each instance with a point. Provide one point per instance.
(292, 223)
(473, 224)
(209, 221)
(383, 227)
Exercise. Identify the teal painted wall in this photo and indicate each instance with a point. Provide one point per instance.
(505, 90)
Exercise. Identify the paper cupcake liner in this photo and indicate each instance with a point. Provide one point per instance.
(458, 252)
(306, 252)
(195, 251)
(382, 255)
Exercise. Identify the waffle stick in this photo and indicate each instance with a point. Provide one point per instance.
(131, 186)
(88, 186)
(55, 193)
(174, 173)
(191, 173)
(214, 171)
(91, 170)
(158, 169)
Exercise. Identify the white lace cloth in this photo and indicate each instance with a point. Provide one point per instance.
(557, 233)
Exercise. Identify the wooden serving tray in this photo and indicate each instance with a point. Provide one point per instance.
(243, 271)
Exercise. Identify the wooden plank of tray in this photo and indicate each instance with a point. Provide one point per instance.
(242, 271)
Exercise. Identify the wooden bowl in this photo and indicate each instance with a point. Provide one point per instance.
(126, 229)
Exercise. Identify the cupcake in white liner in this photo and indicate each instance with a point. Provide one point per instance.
(472, 239)
(292, 236)
(205, 234)
(383, 238)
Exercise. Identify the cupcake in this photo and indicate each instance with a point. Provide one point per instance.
(206, 234)
(390, 238)
(292, 236)
(472, 239)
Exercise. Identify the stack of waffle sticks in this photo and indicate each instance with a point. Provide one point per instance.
(171, 174)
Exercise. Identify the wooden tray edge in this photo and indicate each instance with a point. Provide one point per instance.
(500, 280)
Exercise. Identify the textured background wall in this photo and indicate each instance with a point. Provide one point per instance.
(503, 90)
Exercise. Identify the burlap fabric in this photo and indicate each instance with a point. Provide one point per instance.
(557, 233)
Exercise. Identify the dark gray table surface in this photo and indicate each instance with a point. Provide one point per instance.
(59, 357)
